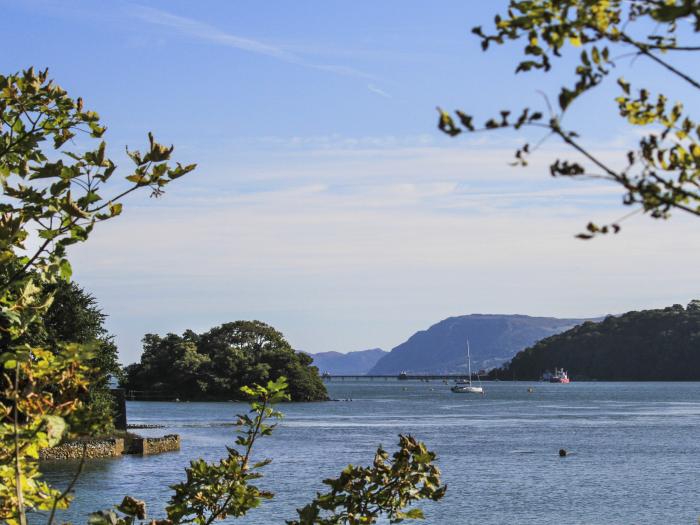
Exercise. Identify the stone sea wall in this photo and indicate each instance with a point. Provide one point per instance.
(151, 445)
(111, 447)
(94, 448)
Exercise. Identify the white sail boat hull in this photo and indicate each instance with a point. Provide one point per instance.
(466, 389)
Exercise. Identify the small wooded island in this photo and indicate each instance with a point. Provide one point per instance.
(648, 345)
(213, 366)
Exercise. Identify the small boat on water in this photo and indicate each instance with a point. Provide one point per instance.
(465, 386)
(559, 376)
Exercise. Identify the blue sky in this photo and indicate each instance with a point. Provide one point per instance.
(326, 202)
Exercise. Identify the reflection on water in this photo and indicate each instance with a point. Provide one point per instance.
(634, 450)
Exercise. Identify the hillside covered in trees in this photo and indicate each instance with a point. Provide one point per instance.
(649, 345)
(216, 364)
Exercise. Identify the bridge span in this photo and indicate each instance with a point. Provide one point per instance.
(401, 377)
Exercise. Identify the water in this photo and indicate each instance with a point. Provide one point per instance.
(634, 451)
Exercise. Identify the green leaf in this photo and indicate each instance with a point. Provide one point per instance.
(103, 517)
(566, 96)
(136, 178)
(66, 270)
(414, 514)
(48, 170)
(55, 427)
(115, 209)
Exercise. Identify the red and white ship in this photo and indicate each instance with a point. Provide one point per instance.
(559, 376)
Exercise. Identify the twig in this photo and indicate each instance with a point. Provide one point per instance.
(244, 463)
(644, 50)
(18, 473)
(70, 486)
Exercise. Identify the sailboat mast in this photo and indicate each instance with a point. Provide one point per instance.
(469, 361)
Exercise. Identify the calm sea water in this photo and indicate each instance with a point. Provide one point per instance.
(634, 451)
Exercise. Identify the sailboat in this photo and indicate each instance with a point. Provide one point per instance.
(467, 387)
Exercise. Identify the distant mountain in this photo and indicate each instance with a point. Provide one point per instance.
(649, 345)
(352, 363)
(494, 339)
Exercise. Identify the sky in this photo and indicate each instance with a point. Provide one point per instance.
(325, 202)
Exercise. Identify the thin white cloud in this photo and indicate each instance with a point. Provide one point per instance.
(378, 91)
(206, 32)
(319, 242)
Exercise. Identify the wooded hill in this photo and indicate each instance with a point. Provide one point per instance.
(649, 345)
(216, 364)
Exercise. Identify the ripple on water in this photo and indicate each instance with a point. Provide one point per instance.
(633, 451)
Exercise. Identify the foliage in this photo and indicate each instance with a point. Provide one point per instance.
(363, 494)
(216, 491)
(40, 388)
(649, 345)
(663, 173)
(52, 198)
(74, 317)
(216, 364)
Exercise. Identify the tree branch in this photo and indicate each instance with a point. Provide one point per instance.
(644, 50)
(70, 486)
(21, 512)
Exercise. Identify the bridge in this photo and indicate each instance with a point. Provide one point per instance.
(414, 377)
(150, 395)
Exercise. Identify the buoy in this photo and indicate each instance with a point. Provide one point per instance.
(562, 452)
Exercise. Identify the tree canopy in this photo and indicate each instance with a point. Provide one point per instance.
(53, 195)
(75, 317)
(217, 363)
(648, 345)
(663, 173)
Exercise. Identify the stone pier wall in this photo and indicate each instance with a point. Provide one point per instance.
(94, 448)
(111, 447)
(149, 445)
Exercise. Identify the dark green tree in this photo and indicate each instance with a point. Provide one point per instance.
(648, 345)
(75, 317)
(217, 363)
